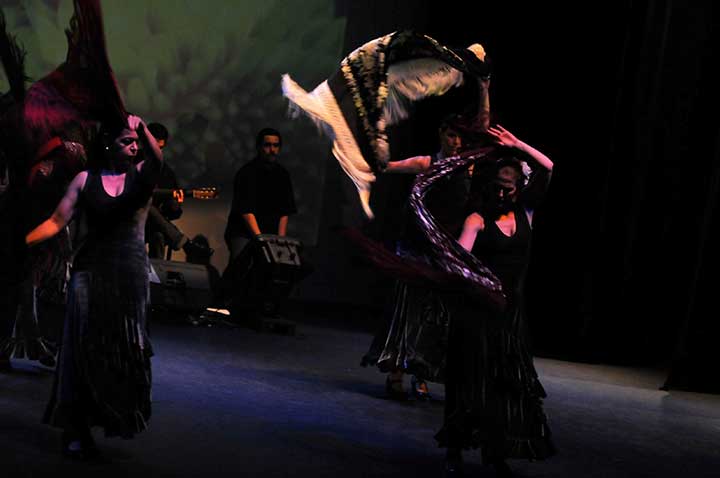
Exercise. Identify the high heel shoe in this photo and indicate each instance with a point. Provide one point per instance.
(80, 447)
(419, 388)
(394, 390)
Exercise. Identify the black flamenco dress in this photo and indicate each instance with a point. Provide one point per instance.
(493, 398)
(103, 376)
(415, 332)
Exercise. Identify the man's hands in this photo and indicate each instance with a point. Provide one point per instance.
(171, 209)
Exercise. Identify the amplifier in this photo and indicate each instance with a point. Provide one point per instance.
(179, 286)
(280, 250)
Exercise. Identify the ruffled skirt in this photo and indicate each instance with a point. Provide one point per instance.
(414, 338)
(493, 397)
(103, 377)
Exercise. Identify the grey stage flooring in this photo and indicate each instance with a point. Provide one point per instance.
(233, 402)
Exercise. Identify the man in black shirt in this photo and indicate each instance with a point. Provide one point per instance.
(263, 200)
(263, 197)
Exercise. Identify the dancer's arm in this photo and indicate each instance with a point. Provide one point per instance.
(474, 223)
(504, 137)
(414, 165)
(153, 161)
(62, 215)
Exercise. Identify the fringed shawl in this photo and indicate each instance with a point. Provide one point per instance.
(373, 89)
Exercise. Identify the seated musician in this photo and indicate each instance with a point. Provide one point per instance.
(160, 232)
(263, 195)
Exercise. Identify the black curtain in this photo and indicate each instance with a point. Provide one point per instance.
(622, 265)
(623, 96)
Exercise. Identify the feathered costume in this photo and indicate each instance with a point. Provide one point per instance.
(13, 170)
(46, 162)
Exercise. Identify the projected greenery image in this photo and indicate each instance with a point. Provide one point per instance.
(210, 71)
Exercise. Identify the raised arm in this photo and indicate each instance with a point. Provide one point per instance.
(414, 165)
(62, 215)
(505, 138)
(153, 161)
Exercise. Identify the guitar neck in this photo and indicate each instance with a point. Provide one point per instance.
(181, 193)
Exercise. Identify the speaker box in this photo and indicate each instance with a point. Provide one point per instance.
(179, 286)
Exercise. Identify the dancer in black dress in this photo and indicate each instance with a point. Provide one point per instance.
(414, 338)
(494, 400)
(103, 377)
(493, 395)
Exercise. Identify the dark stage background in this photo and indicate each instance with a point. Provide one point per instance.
(621, 95)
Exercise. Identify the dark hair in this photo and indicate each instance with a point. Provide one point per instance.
(266, 132)
(487, 173)
(201, 239)
(109, 130)
(159, 131)
(106, 134)
(514, 163)
(100, 141)
(449, 122)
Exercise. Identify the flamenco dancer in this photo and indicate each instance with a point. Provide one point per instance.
(414, 339)
(103, 377)
(494, 398)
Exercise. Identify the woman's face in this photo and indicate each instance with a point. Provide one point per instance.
(505, 184)
(450, 142)
(125, 146)
(501, 193)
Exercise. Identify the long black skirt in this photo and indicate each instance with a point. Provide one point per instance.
(414, 335)
(103, 377)
(493, 397)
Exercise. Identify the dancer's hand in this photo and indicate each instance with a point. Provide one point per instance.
(134, 123)
(503, 137)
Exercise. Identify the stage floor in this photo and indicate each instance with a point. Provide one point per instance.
(234, 402)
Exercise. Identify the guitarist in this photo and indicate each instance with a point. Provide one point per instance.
(159, 230)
